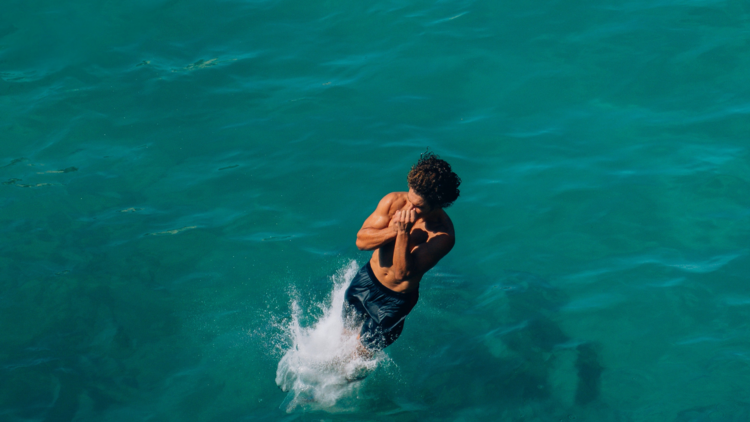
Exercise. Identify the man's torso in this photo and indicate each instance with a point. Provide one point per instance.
(421, 232)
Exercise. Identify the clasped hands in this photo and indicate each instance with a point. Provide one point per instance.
(403, 220)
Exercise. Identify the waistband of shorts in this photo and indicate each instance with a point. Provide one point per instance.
(385, 290)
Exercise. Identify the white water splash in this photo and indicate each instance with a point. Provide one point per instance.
(321, 369)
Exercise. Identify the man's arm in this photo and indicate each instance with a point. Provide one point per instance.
(409, 263)
(378, 229)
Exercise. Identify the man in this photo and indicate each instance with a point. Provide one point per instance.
(409, 233)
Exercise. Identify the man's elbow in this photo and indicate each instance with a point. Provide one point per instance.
(361, 245)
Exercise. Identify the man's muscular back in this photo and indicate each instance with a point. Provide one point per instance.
(428, 235)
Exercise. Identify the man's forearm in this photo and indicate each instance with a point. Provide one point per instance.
(371, 239)
(401, 256)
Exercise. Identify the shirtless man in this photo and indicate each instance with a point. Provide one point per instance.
(409, 233)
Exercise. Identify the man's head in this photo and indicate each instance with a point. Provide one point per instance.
(432, 184)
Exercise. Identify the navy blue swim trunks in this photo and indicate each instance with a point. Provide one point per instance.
(380, 310)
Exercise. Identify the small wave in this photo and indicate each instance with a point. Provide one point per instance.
(321, 369)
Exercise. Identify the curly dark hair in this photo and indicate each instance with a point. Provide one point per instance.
(433, 179)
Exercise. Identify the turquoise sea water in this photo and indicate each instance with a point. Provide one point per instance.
(178, 176)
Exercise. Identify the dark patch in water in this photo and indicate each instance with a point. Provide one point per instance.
(589, 374)
(525, 308)
(14, 162)
(230, 167)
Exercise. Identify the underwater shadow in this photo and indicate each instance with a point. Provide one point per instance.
(513, 353)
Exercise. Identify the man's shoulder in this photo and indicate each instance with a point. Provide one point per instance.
(441, 236)
(393, 199)
(447, 236)
(445, 225)
(396, 196)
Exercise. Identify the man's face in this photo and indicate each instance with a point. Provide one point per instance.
(420, 205)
